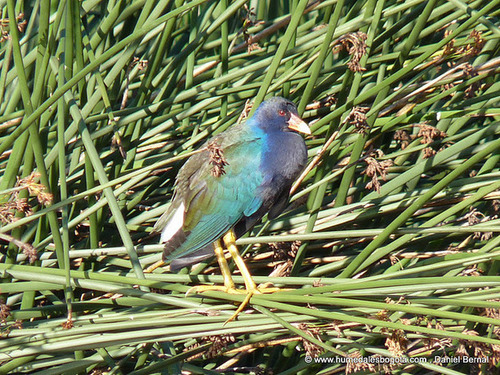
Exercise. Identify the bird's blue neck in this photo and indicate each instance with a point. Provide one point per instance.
(284, 154)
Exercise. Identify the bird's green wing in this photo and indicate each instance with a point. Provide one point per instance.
(213, 202)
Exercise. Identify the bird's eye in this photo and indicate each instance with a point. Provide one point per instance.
(281, 112)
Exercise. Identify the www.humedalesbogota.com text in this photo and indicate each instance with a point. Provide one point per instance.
(396, 360)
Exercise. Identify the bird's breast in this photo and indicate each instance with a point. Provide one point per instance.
(284, 156)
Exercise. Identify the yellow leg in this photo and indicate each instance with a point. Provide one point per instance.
(250, 287)
(229, 240)
(224, 268)
(229, 286)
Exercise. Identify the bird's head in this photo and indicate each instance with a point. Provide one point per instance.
(279, 114)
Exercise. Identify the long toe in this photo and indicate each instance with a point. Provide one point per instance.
(215, 288)
(261, 289)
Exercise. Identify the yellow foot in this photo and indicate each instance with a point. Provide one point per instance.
(154, 266)
(214, 288)
(231, 290)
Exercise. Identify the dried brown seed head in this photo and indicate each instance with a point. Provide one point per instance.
(217, 159)
(355, 45)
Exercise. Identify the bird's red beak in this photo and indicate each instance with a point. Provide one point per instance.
(297, 124)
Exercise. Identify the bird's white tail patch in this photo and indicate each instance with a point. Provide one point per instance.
(174, 224)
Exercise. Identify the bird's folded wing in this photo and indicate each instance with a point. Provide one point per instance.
(214, 204)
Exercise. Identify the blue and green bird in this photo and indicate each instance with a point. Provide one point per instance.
(225, 188)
